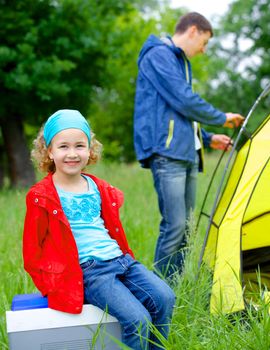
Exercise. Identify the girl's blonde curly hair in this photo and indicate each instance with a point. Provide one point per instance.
(40, 153)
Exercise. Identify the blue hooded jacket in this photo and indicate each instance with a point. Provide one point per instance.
(165, 105)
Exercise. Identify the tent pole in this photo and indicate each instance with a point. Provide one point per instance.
(264, 93)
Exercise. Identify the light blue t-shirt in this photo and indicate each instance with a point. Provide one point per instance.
(83, 213)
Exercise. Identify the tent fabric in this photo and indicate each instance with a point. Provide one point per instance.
(239, 230)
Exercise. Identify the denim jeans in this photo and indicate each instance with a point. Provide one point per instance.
(175, 183)
(132, 294)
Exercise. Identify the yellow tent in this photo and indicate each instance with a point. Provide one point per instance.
(237, 243)
(241, 223)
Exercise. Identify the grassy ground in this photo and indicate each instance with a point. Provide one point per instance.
(192, 327)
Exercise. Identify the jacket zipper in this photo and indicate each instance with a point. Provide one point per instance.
(198, 124)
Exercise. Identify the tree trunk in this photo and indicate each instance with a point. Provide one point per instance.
(2, 172)
(20, 168)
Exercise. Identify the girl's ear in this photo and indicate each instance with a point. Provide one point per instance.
(50, 154)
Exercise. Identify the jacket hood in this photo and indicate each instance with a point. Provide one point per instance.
(154, 41)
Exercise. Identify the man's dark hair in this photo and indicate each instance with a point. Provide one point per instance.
(193, 19)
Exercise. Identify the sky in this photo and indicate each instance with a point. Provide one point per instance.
(208, 8)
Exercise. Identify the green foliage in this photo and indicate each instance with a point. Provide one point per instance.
(112, 111)
(249, 21)
(239, 66)
(52, 53)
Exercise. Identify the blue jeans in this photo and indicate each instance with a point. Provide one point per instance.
(132, 294)
(175, 183)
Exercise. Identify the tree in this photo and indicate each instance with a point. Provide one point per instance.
(52, 54)
(241, 68)
(112, 107)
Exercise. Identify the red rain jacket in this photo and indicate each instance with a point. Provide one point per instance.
(49, 248)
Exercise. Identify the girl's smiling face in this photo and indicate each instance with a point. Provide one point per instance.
(69, 149)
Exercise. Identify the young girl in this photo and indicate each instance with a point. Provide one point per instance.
(74, 245)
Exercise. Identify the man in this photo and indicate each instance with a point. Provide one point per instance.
(167, 135)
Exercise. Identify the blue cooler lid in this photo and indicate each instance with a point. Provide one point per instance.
(28, 302)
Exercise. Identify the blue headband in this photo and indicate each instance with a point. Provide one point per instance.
(65, 119)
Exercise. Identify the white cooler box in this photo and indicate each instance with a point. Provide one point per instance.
(31, 325)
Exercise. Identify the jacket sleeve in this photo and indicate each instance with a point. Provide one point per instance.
(35, 229)
(119, 196)
(206, 137)
(161, 68)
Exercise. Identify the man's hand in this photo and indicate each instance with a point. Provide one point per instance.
(223, 142)
(233, 120)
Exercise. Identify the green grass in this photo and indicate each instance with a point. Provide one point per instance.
(192, 326)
